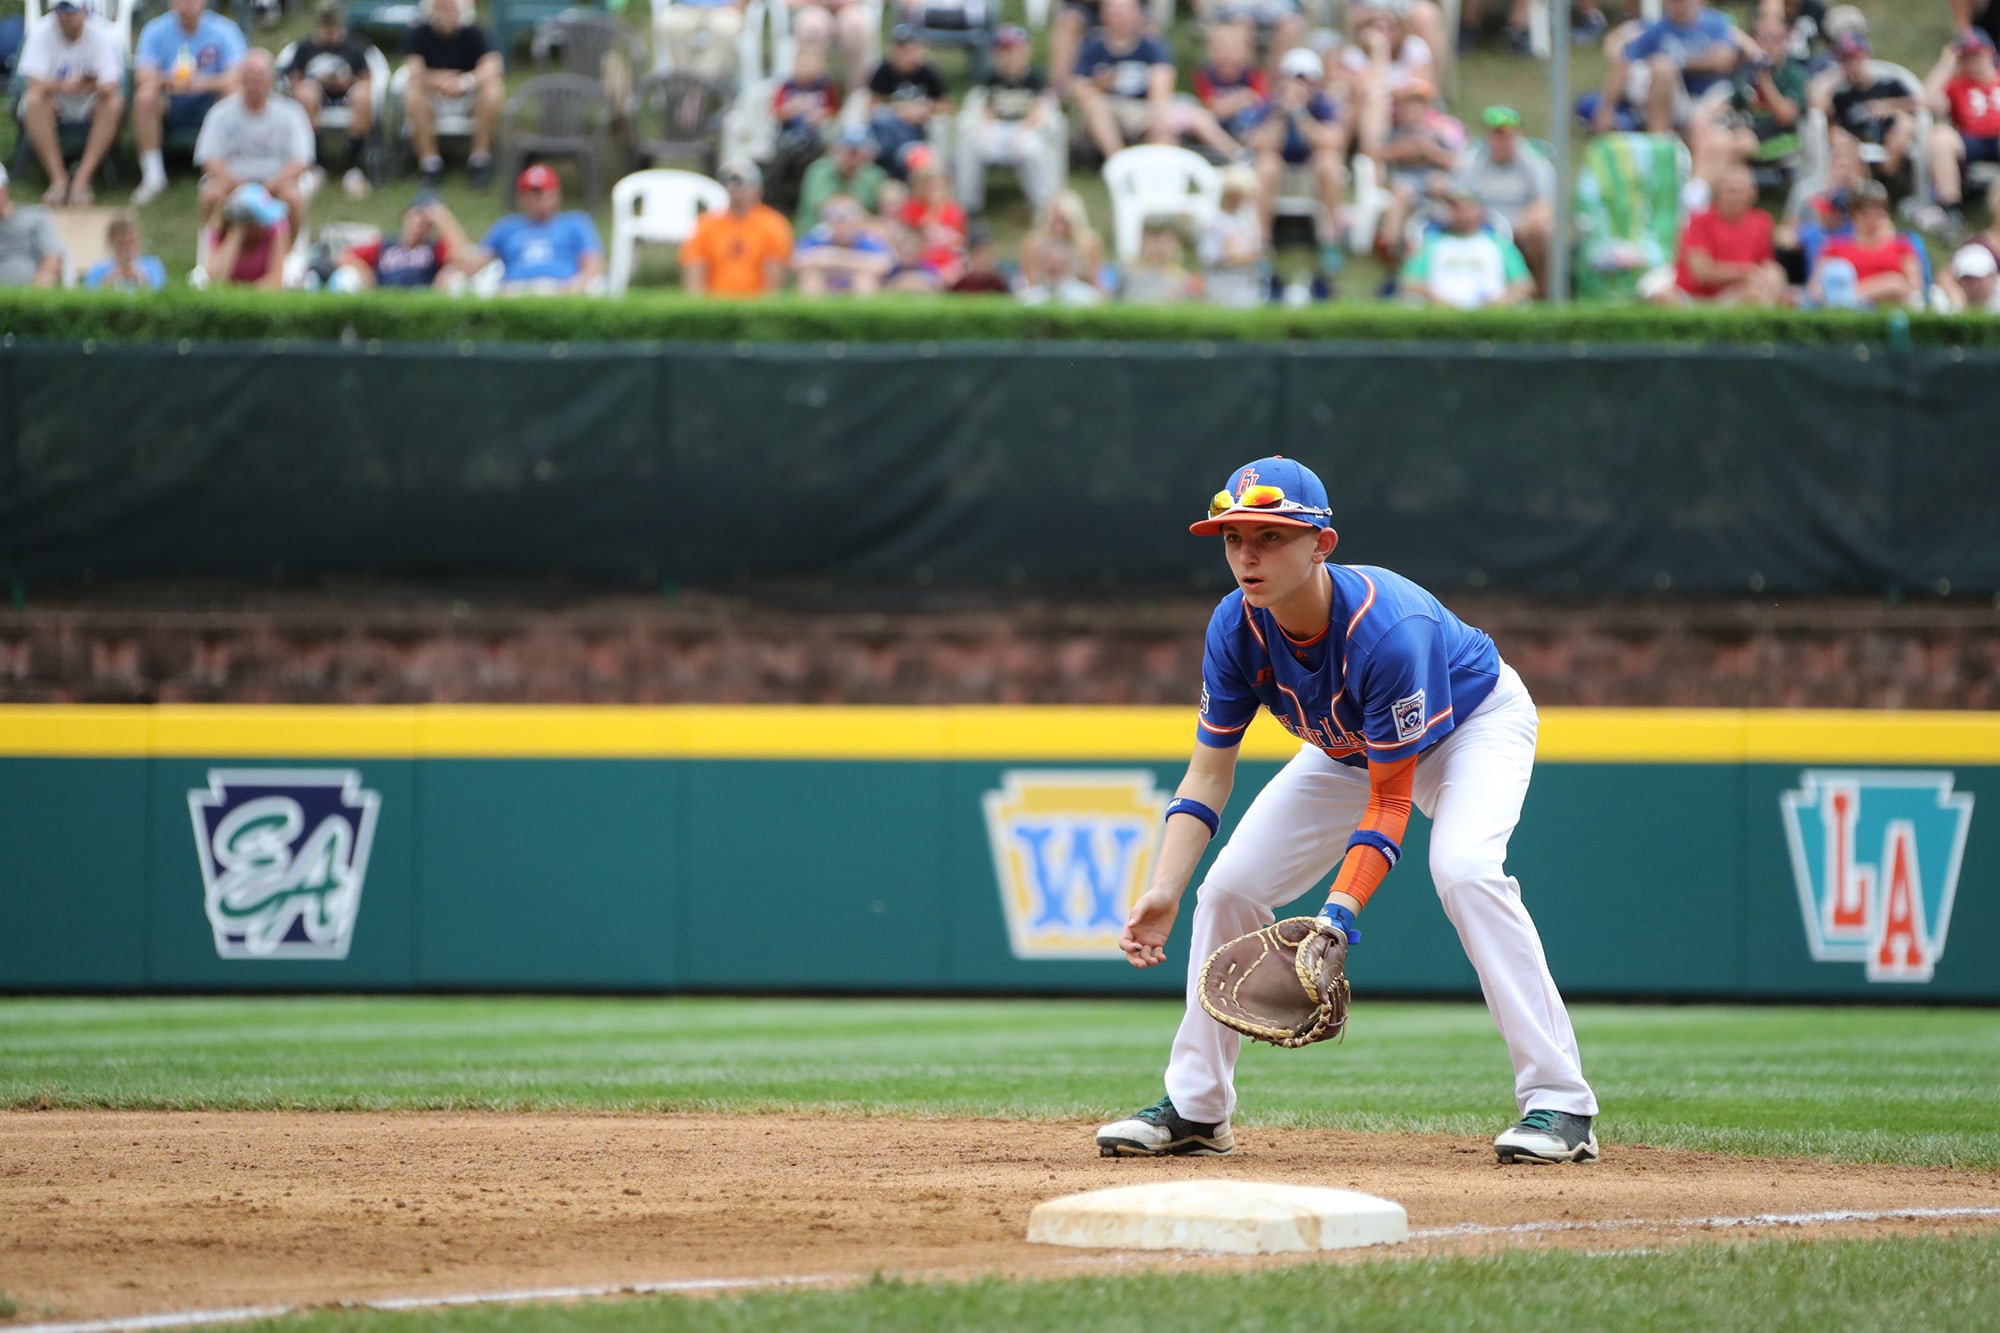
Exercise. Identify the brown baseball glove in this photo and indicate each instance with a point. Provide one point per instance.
(1285, 984)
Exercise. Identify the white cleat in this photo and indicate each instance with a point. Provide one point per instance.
(1161, 1131)
(1548, 1136)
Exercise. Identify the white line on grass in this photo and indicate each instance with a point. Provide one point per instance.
(194, 1318)
(197, 1318)
(1757, 1220)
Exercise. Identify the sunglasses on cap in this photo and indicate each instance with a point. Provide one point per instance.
(1261, 497)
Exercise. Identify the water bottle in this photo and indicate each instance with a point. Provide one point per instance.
(1839, 285)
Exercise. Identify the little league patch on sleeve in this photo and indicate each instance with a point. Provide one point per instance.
(1409, 715)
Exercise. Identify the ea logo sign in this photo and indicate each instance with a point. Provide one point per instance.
(1072, 850)
(1875, 856)
(283, 855)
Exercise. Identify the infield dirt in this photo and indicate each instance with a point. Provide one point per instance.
(115, 1213)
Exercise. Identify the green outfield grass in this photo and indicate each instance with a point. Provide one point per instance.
(1883, 1085)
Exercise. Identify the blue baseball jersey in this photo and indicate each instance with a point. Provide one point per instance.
(1388, 677)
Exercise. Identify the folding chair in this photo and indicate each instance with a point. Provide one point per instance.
(1628, 211)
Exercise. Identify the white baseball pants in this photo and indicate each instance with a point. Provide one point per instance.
(1295, 833)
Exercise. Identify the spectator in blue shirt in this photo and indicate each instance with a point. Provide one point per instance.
(126, 270)
(185, 63)
(545, 251)
(1669, 65)
(1124, 88)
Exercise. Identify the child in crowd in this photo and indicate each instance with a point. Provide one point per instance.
(1065, 222)
(910, 273)
(806, 106)
(247, 246)
(1157, 276)
(127, 270)
(1230, 84)
(809, 100)
(1060, 282)
(982, 276)
(842, 255)
(936, 221)
(1822, 216)
(1231, 246)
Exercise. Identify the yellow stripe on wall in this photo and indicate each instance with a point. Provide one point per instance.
(1003, 734)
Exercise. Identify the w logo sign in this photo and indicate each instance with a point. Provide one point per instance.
(1072, 850)
(1876, 858)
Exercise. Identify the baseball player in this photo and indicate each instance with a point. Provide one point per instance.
(1397, 702)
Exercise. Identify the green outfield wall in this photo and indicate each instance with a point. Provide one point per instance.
(1565, 469)
(1688, 853)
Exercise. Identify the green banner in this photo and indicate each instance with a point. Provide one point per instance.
(1044, 466)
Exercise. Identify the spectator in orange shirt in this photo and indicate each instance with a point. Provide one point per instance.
(743, 250)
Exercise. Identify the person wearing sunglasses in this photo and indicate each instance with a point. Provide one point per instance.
(1397, 703)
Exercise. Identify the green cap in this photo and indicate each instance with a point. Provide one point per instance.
(1502, 118)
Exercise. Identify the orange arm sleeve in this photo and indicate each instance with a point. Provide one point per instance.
(1388, 813)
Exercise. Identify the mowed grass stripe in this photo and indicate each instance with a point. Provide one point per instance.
(1772, 1286)
(1888, 1085)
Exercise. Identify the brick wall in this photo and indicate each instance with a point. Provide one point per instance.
(178, 646)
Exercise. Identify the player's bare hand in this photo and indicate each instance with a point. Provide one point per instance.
(1144, 939)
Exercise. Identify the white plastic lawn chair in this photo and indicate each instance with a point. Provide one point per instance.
(1156, 180)
(659, 206)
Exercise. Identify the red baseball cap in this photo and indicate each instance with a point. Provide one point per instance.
(538, 177)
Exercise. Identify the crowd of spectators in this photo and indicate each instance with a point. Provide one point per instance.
(876, 175)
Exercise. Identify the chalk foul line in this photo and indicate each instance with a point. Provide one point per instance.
(1828, 1218)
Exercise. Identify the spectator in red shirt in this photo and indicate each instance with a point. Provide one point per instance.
(982, 276)
(1876, 265)
(1231, 84)
(1963, 90)
(809, 99)
(937, 220)
(1726, 252)
(246, 246)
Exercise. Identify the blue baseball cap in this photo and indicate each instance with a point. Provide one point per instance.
(253, 203)
(1271, 490)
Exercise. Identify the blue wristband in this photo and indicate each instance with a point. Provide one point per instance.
(1343, 918)
(1181, 805)
(1370, 838)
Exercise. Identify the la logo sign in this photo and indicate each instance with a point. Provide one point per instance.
(1876, 856)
